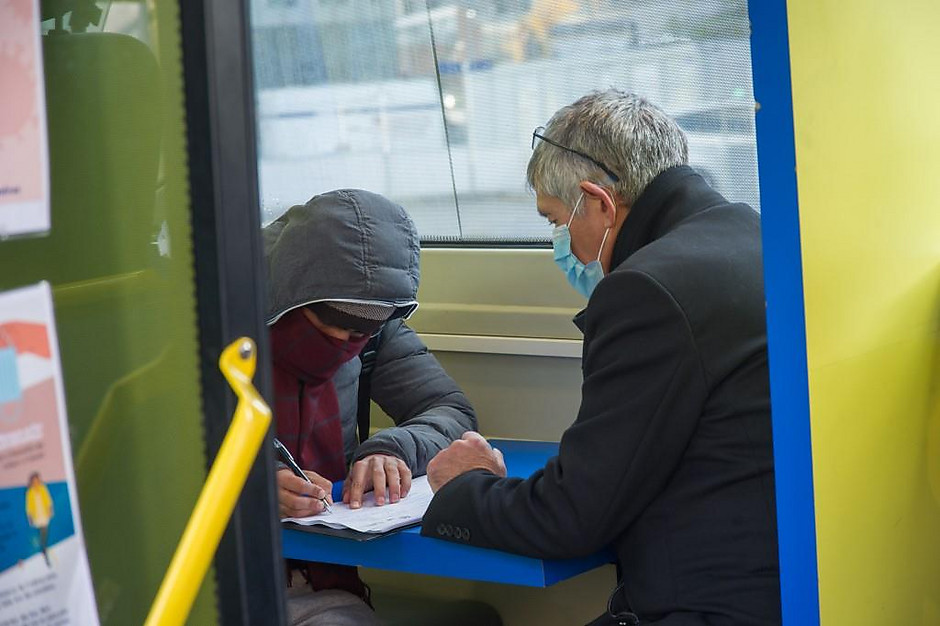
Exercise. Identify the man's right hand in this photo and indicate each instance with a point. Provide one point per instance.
(298, 498)
(470, 452)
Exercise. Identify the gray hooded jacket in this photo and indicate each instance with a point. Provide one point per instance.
(358, 246)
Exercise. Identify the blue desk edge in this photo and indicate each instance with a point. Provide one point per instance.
(408, 551)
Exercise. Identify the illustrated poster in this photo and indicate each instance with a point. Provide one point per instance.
(44, 575)
(24, 152)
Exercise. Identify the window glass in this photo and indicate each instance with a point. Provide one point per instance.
(433, 102)
(119, 258)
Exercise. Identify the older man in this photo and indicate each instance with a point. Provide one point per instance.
(670, 458)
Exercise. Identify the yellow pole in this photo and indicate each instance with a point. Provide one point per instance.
(226, 479)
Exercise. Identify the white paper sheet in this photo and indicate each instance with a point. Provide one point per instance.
(375, 519)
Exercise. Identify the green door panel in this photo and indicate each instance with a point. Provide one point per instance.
(120, 261)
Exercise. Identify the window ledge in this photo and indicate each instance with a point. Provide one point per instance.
(521, 346)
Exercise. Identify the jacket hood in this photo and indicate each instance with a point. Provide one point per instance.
(347, 244)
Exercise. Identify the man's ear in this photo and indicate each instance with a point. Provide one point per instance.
(603, 196)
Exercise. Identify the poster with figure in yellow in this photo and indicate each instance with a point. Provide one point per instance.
(44, 575)
(24, 151)
(39, 511)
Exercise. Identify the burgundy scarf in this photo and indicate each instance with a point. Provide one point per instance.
(308, 418)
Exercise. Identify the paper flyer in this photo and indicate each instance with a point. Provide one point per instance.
(24, 151)
(44, 575)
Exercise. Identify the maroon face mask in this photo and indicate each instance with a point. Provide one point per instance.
(300, 348)
(306, 410)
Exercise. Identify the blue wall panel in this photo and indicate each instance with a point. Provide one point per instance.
(786, 324)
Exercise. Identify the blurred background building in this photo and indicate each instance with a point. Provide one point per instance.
(433, 102)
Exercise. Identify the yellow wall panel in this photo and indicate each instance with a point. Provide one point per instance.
(865, 87)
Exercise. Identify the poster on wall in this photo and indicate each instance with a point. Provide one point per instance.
(44, 575)
(24, 151)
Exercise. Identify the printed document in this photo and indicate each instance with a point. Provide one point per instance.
(44, 574)
(375, 519)
(24, 151)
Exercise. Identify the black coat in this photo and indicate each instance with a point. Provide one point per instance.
(670, 458)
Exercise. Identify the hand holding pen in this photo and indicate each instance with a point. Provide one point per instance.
(296, 498)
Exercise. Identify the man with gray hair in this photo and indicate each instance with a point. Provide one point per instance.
(670, 459)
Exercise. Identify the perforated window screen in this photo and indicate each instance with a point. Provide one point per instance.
(432, 102)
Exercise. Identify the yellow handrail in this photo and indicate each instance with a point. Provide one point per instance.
(226, 479)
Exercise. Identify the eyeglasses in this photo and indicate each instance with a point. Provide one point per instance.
(538, 134)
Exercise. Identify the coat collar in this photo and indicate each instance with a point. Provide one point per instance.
(670, 198)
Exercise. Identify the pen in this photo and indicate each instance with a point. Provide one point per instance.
(288, 459)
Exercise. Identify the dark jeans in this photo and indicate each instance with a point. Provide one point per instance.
(433, 612)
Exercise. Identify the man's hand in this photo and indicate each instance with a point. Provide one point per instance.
(298, 498)
(469, 452)
(376, 472)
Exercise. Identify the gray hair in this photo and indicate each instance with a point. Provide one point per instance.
(628, 134)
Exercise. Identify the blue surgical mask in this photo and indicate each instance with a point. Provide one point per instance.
(583, 278)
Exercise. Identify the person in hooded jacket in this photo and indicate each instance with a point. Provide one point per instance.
(341, 269)
(670, 458)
